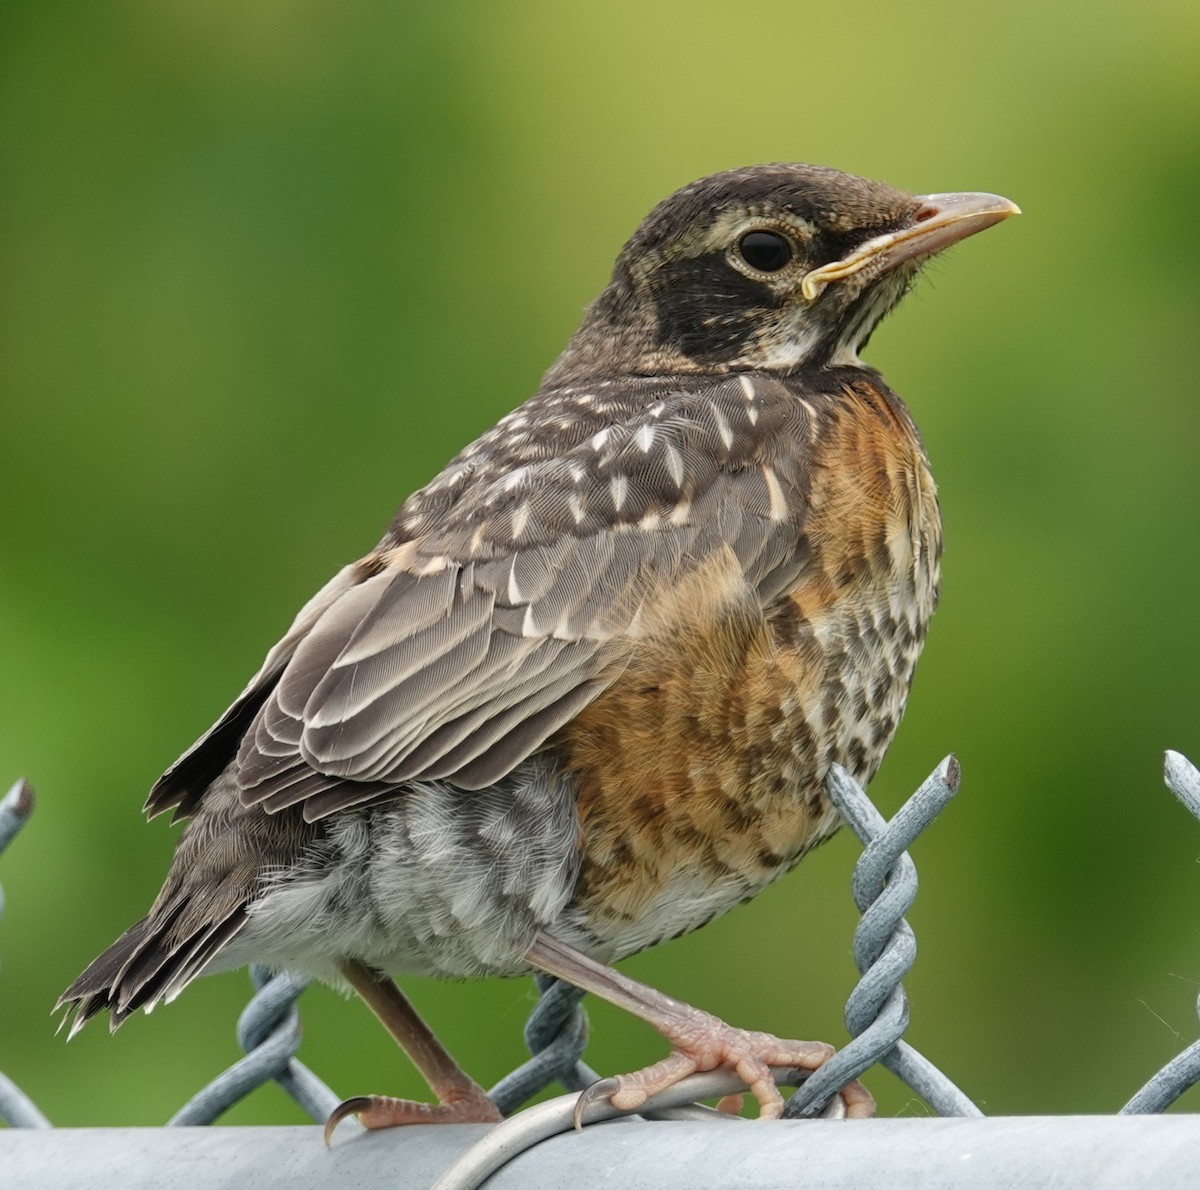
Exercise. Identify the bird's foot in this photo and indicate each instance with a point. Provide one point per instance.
(381, 1111)
(703, 1042)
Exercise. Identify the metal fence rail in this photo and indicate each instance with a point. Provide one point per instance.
(999, 1153)
(702, 1147)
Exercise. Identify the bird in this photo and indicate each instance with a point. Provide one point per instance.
(583, 696)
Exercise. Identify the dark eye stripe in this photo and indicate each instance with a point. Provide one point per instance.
(766, 251)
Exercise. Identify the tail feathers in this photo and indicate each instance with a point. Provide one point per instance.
(152, 961)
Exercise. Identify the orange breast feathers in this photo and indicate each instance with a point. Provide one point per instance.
(710, 746)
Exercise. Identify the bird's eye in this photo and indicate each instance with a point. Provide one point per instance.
(766, 251)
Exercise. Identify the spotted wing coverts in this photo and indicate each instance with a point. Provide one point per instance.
(508, 591)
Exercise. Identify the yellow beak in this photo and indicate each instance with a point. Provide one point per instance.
(941, 220)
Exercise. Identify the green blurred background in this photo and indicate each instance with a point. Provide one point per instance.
(267, 265)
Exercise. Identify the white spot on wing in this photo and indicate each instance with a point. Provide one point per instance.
(680, 513)
(778, 501)
(434, 565)
(514, 478)
(520, 521)
(644, 438)
(747, 387)
(651, 522)
(675, 465)
(723, 428)
(575, 504)
(619, 487)
(599, 439)
(514, 591)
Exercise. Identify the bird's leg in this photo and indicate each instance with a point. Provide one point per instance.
(700, 1041)
(461, 1100)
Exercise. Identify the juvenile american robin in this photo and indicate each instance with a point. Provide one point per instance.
(583, 695)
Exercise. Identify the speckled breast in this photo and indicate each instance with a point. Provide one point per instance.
(700, 769)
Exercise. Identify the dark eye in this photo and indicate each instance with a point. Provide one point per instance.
(766, 251)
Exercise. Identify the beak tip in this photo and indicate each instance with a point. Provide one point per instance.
(964, 203)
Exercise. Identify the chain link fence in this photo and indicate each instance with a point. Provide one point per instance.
(884, 886)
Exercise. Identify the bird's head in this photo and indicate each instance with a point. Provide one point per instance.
(774, 267)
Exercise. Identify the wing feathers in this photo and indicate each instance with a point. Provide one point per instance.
(455, 654)
(409, 605)
(529, 733)
(361, 743)
(492, 720)
(475, 708)
(459, 639)
(325, 641)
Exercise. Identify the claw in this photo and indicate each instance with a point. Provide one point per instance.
(604, 1088)
(468, 1105)
(347, 1107)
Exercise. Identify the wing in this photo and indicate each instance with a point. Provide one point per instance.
(457, 653)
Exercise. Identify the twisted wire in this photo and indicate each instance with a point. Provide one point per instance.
(1183, 1071)
(884, 886)
(16, 1108)
(556, 1035)
(269, 1031)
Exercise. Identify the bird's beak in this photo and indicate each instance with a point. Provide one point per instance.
(940, 220)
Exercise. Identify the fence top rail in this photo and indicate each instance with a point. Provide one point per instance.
(1031, 1152)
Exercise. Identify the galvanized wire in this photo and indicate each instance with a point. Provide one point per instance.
(269, 1031)
(556, 1035)
(884, 886)
(16, 1108)
(1183, 1071)
(520, 1132)
(510, 1139)
(15, 809)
